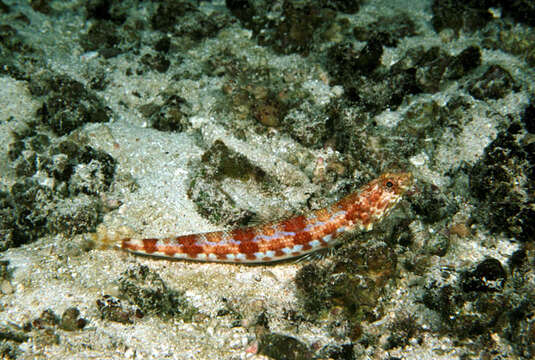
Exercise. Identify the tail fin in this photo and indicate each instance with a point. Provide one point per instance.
(105, 238)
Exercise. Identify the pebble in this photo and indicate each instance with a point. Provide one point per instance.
(6, 287)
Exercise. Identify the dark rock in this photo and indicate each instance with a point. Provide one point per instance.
(338, 352)
(69, 105)
(26, 165)
(5, 272)
(10, 234)
(109, 52)
(114, 10)
(41, 6)
(389, 90)
(520, 10)
(9, 67)
(438, 245)
(309, 281)
(221, 162)
(439, 299)
(15, 149)
(489, 275)
(30, 210)
(431, 204)
(71, 320)
(14, 42)
(182, 18)
(215, 205)
(166, 16)
(74, 216)
(93, 174)
(283, 347)
(242, 9)
(517, 259)
(163, 44)
(13, 333)
(69, 148)
(103, 37)
(387, 30)
(38, 143)
(149, 292)
(515, 39)
(403, 329)
(529, 117)
(4, 9)
(467, 315)
(98, 80)
(26, 192)
(467, 60)
(167, 117)
(112, 309)
(519, 329)
(98, 9)
(307, 125)
(503, 207)
(156, 62)
(344, 60)
(468, 15)
(431, 68)
(345, 6)
(47, 319)
(296, 29)
(9, 350)
(374, 87)
(352, 282)
(369, 57)
(495, 83)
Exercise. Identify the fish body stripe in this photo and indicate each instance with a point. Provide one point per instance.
(289, 238)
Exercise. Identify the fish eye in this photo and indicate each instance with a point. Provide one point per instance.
(389, 184)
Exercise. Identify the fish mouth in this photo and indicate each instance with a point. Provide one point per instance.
(406, 180)
(406, 184)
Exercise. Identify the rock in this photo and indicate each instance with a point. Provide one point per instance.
(489, 275)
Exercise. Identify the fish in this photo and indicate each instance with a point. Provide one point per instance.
(287, 239)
